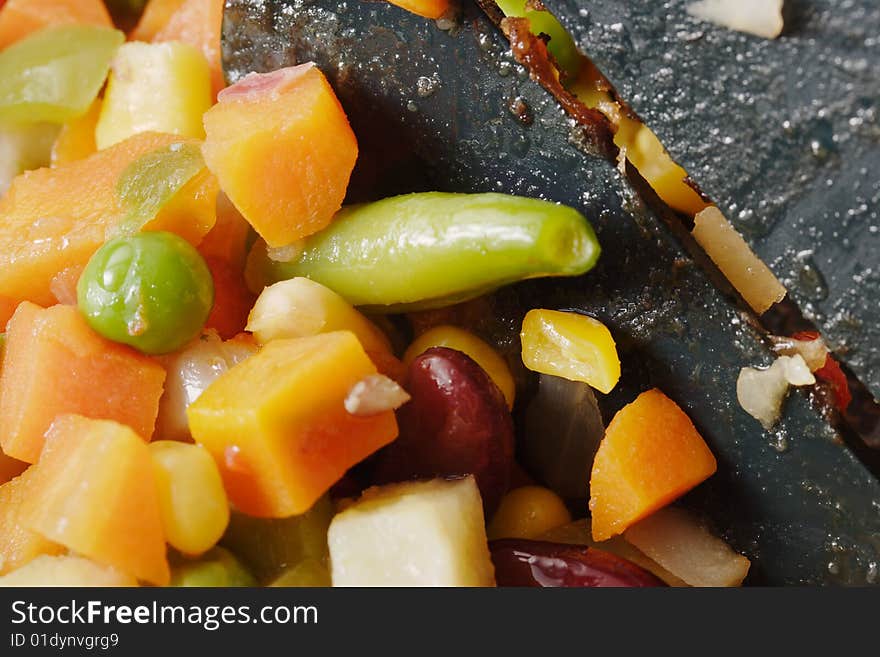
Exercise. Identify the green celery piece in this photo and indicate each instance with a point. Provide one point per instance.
(309, 572)
(56, 73)
(561, 45)
(152, 180)
(216, 568)
(271, 546)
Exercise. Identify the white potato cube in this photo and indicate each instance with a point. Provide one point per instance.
(428, 533)
(65, 570)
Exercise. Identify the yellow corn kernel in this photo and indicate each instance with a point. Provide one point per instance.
(460, 340)
(528, 512)
(301, 308)
(573, 346)
(192, 501)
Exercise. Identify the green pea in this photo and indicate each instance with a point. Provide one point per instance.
(433, 249)
(152, 291)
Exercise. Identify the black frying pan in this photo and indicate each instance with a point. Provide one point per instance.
(797, 502)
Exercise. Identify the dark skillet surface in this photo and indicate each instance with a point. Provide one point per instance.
(793, 512)
(784, 135)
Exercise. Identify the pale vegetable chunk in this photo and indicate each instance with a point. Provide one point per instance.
(580, 532)
(24, 147)
(427, 533)
(679, 543)
(761, 392)
(739, 264)
(159, 87)
(762, 18)
(66, 570)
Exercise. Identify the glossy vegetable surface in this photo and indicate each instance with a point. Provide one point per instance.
(651, 454)
(53, 219)
(416, 533)
(456, 423)
(283, 151)
(528, 512)
(94, 492)
(563, 429)
(272, 547)
(55, 364)
(163, 87)
(572, 346)
(55, 74)
(152, 291)
(433, 249)
(192, 501)
(468, 343)
(277, 426)
(520, 562)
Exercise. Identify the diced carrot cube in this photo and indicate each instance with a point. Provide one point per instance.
(55, 364)
(427, 8)
(283, 151)
(51, 219)
(94, 492)
(277, 426)
(651, 454)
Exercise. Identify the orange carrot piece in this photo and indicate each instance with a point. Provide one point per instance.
(7, 309)
(283, 151)
(277, 426)
(427, 8)
(155, 16)
(55, 364)
(51, 219)
(232, 299)
(651, 454)
(94, 492)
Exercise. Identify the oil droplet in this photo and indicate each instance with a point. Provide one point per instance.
(810, 281)
(872, 576)
(426, 86)
(834, 567)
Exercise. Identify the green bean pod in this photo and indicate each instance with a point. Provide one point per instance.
(433, 249)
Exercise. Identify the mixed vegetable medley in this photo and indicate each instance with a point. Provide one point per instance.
(214, 374)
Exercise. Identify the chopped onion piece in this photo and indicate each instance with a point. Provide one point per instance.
(580, 532)
(189, 372)
(286, 253)
(762, 18)
(373, 395)
(682, 545)
(814, 352)
(745, 271)
(761, 392)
